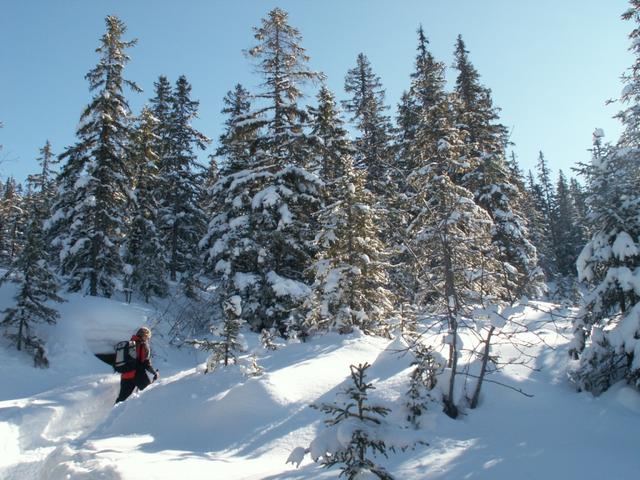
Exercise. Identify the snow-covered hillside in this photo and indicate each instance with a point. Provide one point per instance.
(60, 423)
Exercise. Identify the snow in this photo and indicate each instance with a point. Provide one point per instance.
(239, 222)
(285, 216)
(266, 198)
(286, 287)
(60, 423)
(242, 281)
(624, 246)
(235, 302)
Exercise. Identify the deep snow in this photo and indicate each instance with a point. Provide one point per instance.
(60, 423)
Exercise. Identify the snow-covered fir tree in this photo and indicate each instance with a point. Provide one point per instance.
(329, 137)
(36, 288)
(425, 91)
(450, 236)
(239, 139)
(579, 198)
(230, 252)
(525, 202)
(539, 228)
(144, 255)
(210, 177)
(42, 184)
(12, 221)
(350, 289)
(490, 178)
(423, 380)
(228, 343)
(88, 219)
(367, 109)
(355, 432)
(181, 216)
(569, 231)
(607, 331)
(542, 193)
(268, 339)
(427, 83)
(261, 240)
(160, 107)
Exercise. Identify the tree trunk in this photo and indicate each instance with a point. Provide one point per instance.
(483, 368)
(93, 276)
(20, 329)
(449, 406)
(452, 308)
(174, 251)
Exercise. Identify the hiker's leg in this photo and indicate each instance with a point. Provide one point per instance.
(126, 389)
(142, 380)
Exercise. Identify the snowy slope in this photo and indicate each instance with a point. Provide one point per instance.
(61, 424)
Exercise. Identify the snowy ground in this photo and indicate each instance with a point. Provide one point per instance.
(60, 423)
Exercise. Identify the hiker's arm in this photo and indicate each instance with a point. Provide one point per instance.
(147, 362)
(149, 368)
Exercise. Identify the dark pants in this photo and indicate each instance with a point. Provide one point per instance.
(127, 386)
(126, 389)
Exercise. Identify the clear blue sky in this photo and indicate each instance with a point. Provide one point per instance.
(551, 64)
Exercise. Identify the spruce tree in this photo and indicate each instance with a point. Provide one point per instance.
(510, 235)
(539, 226)
(227, 343)
(606, 332)
(12, 221)
(367, 108)
(281, 61)
(143, 249)
(425, 93)
(490, 178)
(329, 137)
(364, 421)
(94, 184)
(544, 197)
(568, 231)
(604, 342)
(422, 381)
(270, 203)
(426, 90)
(579, 200)
(350, 288)
(43, 183)
(485, 136)
(351, 274)
(181, 216)
(37, 286)
(160, 107)
(230, 252)
(240, 130)
(450, 235)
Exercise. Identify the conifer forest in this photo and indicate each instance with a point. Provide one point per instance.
(323, 215)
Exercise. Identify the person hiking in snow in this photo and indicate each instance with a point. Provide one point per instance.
(138, 377)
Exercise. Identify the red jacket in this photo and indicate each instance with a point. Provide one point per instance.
(142, 354)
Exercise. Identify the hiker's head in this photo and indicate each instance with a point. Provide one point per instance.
(144, 332)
